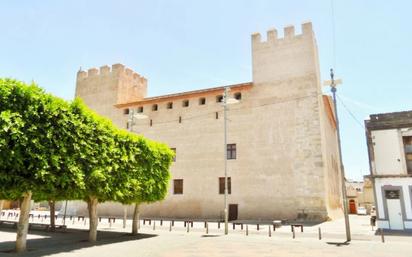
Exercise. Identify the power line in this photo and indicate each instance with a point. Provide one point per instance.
(333, 33)
(351, 113)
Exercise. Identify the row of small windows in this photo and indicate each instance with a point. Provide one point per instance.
(185, 103)
(178, 186)
(230, 151)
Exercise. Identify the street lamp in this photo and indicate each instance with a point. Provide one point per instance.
(333, 84)
(226, 101)
(132, 117)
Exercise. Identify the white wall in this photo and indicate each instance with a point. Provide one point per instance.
(388, 152)
(404, 183)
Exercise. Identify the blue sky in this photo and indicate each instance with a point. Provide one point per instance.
(185, 45)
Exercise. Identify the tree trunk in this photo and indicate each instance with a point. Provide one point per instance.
(52, 205)
(23, 225)
(1, 206)
(92, 206)
(136, 218)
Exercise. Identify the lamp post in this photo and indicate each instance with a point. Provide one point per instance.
(333, 84)
(226, 101)
(132, 117)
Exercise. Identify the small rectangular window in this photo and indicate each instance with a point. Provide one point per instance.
(126, 111)
(407, 144)
(219, 98)
(238, 96)
(169, 105)
(174, 157)
(154, 107)
(202, 101)
(217, 115)
(185, 103)
(140, 109)
(180, 119)
(151, 122)
(222, 185)
(231, 151)
(178, 186)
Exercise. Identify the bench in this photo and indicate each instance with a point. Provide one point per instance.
(292, 227)
(187, 222)
(237, 223)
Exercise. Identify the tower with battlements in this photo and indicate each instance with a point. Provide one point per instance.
(101, 89)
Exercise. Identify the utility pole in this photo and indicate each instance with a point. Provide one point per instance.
(333, 83)
(225, 154)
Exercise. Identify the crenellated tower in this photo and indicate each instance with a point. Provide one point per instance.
(102, 88)
(289, 57)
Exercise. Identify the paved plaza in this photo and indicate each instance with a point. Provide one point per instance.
(158, 241)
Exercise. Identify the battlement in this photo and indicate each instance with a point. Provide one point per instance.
(116, 70)
(277, 58)
(289, 35)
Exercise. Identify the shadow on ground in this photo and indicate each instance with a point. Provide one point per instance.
(388, 232)
(65, 241)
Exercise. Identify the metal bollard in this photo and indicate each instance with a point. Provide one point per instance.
(187, 228)
(154, 224)
(247, 230)
(320, 233)
(382, 236)
(170, 227)
(293, 233)
(110, 222)
(207, 228)
(270, 231)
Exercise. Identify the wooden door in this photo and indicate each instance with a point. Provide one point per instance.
(352, 207)
(232, 211)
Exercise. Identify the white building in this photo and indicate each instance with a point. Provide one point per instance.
(389, 138)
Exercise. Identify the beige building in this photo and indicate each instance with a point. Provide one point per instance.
(282, 146)
(360, 194)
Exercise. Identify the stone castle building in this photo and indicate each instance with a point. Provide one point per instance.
(282, 144)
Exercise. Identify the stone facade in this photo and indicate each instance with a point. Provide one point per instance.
(286, 165)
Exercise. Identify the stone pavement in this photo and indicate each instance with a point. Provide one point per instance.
(113, 241)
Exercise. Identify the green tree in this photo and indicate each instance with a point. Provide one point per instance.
(35, 136)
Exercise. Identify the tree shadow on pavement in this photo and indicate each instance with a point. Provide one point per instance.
(65, 241)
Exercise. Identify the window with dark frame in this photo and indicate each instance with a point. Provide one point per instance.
(238, 96)
(169, 105)
(178, 186)
(126, 111)
(140, 109)
(222, 185)
(407, 144)
(174, 157)
(202, 101)
(231, 151)
(219, 98)
(185, 103)
(154, 107)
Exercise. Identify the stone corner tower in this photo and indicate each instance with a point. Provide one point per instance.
(105, 87)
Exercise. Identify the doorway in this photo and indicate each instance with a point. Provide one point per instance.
(393, 203)
(232, 211)
(352, 207)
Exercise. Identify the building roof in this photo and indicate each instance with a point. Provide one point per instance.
(389, 120)
(187, 94)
